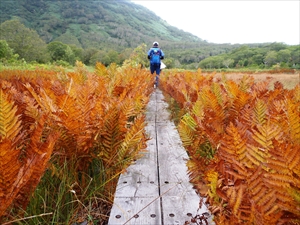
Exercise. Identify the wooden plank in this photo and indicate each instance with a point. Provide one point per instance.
(179, 199)
(161, 109)
(142, 182)
(168, 139)
(156, 189)
(172, 162)
(141, 178)
(136, 211)
(178, 209)
(150, 115)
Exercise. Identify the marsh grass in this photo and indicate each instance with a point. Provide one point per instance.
(289, 80)
(64, 196)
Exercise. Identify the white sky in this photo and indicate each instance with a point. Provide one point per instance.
(238, 21)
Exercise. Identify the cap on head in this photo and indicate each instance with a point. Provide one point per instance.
(155, 44)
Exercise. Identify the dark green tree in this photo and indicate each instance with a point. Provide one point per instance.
(59, 51)
(5, 51)
(295, 56)
(87, 54)
(284, 55)
(271, 58)
(24, 41)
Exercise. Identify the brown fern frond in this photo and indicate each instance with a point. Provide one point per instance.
(232, 88)
(198, 110)
(133, 143)
(278, 164)
(294, 162)
(44, 101)
(257, 155)
(293, 115)
(101, 70)
(260, 89)
(234, 145)
(9, 169)
(296, 94)
(186, 133)
(246, 82)
(36, 164)
(281, 178)
(267, 200)
(232, 195)
(10, 125)
(255, 198)
(260, 112)
(239, 198)
(254, 180)
(265, 134)
(187, 129)
(112, 135)
(217, 91)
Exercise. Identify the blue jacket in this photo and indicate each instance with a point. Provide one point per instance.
(155, 55)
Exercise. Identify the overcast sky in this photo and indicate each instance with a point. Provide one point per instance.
(238, 21)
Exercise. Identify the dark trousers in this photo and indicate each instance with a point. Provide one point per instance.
(155, 67)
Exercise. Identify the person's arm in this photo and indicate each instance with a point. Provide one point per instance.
(162, 55)
(149, 54)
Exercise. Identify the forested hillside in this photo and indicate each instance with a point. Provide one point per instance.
(101, 24)
(108, 31)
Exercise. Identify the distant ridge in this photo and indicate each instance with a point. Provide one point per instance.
(114, 24)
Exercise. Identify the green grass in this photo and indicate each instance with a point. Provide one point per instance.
(64, 196)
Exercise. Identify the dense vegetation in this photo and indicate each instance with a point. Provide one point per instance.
(108, 31)
(65, 137)
(243, 141)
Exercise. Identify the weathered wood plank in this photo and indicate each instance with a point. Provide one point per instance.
(136, 211)
(156, 189)
(179, 198)
(178, 209)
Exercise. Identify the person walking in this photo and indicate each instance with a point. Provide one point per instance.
(155, 54)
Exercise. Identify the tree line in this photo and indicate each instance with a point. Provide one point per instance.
(17, 42)
(272, 55)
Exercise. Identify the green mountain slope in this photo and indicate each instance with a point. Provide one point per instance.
(113, 24)
(102, 27)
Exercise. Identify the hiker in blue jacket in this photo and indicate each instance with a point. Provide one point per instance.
(155, 54)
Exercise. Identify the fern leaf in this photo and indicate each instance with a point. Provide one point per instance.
(212, 178)
(293, 115)
(263, 190)
(278, 183)
(239, 198)
(260, 111)
(217, 91)
(198, 110)
(234, 145)
(112, 135)
(280, 177)
(256, 155)
(10, 125)
(187, 129)
(35, 167)
(133, 142)
(278, 165)
(265, 134)
(232, 194)
(246, 82)
(9, 169)
(268, 197)
(232, 89)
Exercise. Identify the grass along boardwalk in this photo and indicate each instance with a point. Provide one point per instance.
(156, 189)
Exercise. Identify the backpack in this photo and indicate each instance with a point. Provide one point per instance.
(155, 55)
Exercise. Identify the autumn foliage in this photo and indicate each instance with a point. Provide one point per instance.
(59, 115)
(243, 140)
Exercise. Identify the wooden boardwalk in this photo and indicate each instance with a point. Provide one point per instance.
(156, 189)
